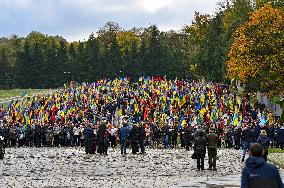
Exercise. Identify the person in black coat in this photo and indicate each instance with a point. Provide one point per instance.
(133, 137)
(200, 150)
(102, 138)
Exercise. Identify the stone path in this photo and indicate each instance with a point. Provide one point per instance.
(70, 167)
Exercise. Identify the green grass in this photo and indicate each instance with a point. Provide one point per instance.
(18, 92)
(275, 150)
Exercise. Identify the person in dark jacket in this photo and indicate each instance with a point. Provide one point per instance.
(200, 150)
(174, 137)
(280, 137)
(212, 140)
(247, 139)
(186, 137)
(142, 138)
(237, 137)
(124, 134)
(89, 139)
(102, 138)
(257, 173)
(166, 132)
(133, 136)
(264, 141)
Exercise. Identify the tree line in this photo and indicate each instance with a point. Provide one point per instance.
(203, 48)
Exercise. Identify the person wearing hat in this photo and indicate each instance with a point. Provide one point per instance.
(264, 140)
(212, 140)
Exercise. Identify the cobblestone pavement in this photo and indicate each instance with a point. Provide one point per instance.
(70, 167)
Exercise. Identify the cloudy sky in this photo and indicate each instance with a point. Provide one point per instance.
(76, 19)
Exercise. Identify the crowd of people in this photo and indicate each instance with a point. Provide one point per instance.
(147, 113)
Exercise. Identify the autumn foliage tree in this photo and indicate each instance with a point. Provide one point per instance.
(257, 51)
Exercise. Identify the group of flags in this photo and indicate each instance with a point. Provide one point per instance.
(189, 102)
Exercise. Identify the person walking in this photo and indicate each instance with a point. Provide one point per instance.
(257, 173)
(212, 140)
(200, 150)
(264, 140)
(247, 139)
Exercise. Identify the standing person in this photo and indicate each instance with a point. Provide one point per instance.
(212, 140)
(27, 129)
(89, 139)
(56, 132)
(21, 135)
(13, 135)
(43, 135)
(6, 135)
(200, 149)
(258, 173)
(247, 139)
(49, 136)
(113, 132)
(124, 134)
(148, 135)
(280, 137)
(142, 138)
(166, 132)
(76, 137)
(264, 141)
(68, 131)
(133, 136)
(101, 137)
(82, 137)
(155, 138)
(237, 137)
(186, 137)
(174, 137)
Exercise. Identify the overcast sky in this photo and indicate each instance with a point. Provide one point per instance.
(76, 19)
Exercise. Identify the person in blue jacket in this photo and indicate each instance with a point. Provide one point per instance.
(124, 134)
(89, 139)
(257, 173)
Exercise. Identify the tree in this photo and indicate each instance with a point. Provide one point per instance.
(257, 51)
(92, 60)
(63, 73)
